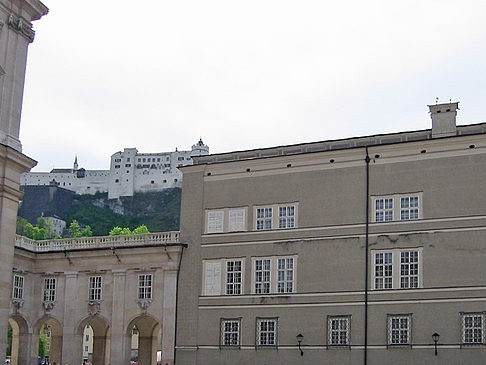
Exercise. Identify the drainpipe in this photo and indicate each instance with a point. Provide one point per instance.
(367, 160)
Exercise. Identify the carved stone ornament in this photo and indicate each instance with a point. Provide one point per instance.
(48, 305)
(17, 303)
(94, 307)
(22, 27)
(144, 303)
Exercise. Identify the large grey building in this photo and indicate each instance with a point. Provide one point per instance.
(365, 247)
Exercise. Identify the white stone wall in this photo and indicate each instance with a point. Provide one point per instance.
(93, 181)
(129, 172)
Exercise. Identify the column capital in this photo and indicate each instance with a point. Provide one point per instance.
(119, 272)
(71, 274)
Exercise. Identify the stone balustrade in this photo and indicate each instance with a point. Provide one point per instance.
(97, 242)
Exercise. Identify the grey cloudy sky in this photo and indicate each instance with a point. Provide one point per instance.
(158, 74)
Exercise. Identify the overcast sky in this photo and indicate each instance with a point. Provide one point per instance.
(103, 75)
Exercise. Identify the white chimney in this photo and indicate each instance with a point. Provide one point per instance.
(443, 119)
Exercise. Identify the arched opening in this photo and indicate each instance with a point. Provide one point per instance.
(20, 341)
(94, 333)
(143, 335)
(47, 338)
(134, 345)
(88, 345)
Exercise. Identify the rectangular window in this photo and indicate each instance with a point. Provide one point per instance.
(264, 218)
(473, 328)
(397, 269)
(399, 329)
(275, 216)
(95, 288)
(266, 332)
(384, 210)
(286, 216)
(338, 330)
(215, 221)
(49, 291)
(409, 208)
(230, 332)
(409, 269)
(145, 286)
(236, 220)
(233, 277)
(223, 276)
(285, 275)
(396, 207)
(262, 276)
(274, 275)
(383, 270)
(18, 287)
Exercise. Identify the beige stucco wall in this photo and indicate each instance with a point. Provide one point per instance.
(329, 242)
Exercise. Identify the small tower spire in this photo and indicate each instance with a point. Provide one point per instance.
(75, 165)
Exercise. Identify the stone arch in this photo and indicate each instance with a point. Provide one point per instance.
(21, 340)
(101, 338)
(148, 338)
(55, 337)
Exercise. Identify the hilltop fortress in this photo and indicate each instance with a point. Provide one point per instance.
(130, 172)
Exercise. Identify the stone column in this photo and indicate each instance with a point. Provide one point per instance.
(145, 350)
(16, 33)
(29, 348)
(168, 315)
(99, 348)
(55, 351)
(72, 342)
(15, 349)
(12, 164)
(118, 330)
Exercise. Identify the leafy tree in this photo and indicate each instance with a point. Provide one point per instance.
(21, 222)
(9, 338)
(87, 232)
(47, 225)
(40, 234)
(42, 345)
(75, 229)
(29, 231)
(126, 231)
(141, 229)
(116, 231)
(41, 222)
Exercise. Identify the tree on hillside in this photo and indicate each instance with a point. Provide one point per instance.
(141, 229)
(47, 225)
(117, 231)
(74, 229)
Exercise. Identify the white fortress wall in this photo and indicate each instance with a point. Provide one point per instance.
(129, 172)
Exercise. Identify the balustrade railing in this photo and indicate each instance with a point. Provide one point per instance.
(97, 242)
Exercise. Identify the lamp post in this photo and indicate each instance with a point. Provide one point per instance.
(435, 337)
(299, 340)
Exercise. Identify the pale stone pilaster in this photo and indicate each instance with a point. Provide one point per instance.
(118, 332)
(12, 164)
(72, 353)
(168, 327)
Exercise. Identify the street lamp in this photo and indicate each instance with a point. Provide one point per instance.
(435, 337)
(299, 340)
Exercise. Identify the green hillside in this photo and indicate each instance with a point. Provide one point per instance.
(159, 211)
